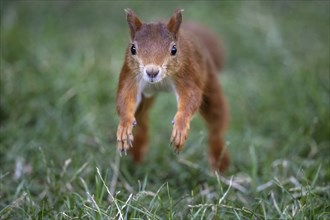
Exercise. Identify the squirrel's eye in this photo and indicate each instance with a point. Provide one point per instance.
(133, 49)
(173, 50)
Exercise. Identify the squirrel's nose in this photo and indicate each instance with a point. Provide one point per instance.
(152, 71)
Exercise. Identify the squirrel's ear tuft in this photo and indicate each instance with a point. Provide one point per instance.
(133, 21)
(174, 23)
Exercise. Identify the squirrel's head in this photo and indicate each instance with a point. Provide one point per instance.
(153, 49)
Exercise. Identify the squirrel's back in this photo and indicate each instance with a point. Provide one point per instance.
(208, 40)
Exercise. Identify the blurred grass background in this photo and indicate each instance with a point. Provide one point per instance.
(60, 62)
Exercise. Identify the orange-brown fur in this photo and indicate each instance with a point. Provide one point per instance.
(192, 72)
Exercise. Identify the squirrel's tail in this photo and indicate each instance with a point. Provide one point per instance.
(211, 41)
(217, 53)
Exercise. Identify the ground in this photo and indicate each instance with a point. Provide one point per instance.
(60, 62)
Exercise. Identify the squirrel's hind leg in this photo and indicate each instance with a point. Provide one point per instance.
(140, 132)
(214, 111)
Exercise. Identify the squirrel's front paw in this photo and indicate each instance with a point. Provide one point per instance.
(179, 135)
(125, 136)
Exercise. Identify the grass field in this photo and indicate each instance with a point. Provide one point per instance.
(60, 62)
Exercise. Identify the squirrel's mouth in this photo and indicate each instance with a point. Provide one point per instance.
(153, 80)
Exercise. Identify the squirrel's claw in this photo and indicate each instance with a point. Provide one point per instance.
(124, 137)
(178, 138)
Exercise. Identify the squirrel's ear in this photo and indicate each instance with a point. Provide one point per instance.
(174, 23)
(133, 21)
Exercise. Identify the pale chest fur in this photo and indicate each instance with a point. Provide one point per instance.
(147, 89)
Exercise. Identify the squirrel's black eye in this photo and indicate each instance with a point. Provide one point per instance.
(133, 49)
(173, 50)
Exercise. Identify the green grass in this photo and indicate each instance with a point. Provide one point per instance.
(59, 68)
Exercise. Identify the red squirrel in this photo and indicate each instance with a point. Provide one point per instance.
(183, 58)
